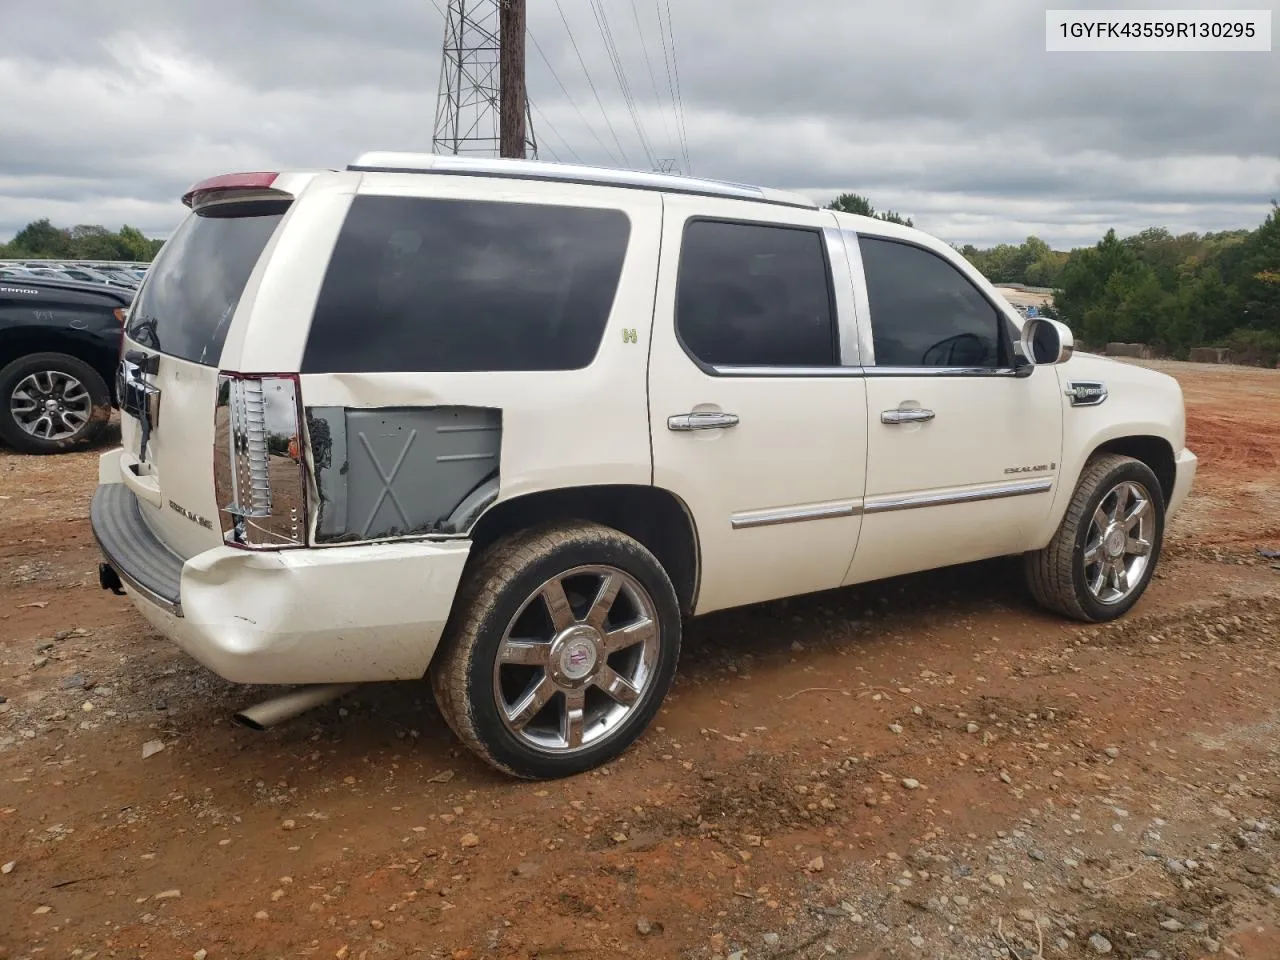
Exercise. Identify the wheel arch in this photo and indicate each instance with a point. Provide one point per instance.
(1156, 452)
(1146, 441)
(653, 516)
(18, 343)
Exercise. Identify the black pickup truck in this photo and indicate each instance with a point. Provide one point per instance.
(59, 346)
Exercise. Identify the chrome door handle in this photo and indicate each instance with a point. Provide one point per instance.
(912, 415)
(702, 421)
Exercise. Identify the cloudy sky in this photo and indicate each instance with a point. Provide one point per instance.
(951, 112)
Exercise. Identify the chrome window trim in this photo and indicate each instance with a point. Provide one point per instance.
(1010, 337)
(728, 370)
(1018, 488)
(828, 272)
(861, 300)
(940, 372)
(845, 297)
(768, 518)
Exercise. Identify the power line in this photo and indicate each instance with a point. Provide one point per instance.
(546, 125)
(537, 46)
(653, 80)
(606, 34)
(671, 85)
(591, 83)
(684, 136)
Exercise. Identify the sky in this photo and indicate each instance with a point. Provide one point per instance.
(950, 112)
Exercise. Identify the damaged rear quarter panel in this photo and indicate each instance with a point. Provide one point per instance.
(557, 429)
(400, 472)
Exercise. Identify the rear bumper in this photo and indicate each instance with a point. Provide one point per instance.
(1185, 475)
(148, 568)
(347, 614)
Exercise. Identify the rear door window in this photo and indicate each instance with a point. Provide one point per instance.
(753, 295)
(421, 284)
(195, 284)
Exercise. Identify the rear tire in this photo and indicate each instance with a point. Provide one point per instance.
(1100, 561)
(561, 647)
(52, 403)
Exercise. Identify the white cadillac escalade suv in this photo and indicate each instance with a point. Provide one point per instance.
(503, 424)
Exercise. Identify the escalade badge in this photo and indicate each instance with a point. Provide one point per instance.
(193, 517)
(1038, 468)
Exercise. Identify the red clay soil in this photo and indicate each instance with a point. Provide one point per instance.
(923, 767)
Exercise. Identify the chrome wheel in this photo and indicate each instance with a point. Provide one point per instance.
(1118, 544)
(51, 405)
(576, 659)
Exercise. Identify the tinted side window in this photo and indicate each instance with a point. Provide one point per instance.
(754, 295)
(423, 284)
(925, 312)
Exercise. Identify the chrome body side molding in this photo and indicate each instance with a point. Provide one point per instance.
(747, 519)
(1019, 488)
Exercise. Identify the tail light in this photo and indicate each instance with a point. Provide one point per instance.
(258, 477)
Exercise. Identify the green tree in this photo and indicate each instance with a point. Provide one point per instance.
(41, 239)
(1258, 276)
(91, 242)
(135, 245)
(1172, 291)
(857, 203)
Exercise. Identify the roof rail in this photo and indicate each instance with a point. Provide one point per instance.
(381, 161)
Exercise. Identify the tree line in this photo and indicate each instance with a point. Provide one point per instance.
(41, 240)
(1173, 292)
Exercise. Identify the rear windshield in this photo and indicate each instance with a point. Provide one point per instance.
(193, 287)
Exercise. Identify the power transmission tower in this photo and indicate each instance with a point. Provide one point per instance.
(469, 106)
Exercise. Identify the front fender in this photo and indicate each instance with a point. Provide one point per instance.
(1140, 403)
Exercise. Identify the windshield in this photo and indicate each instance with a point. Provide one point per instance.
(195, 284)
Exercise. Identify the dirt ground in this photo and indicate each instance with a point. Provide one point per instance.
(1023, 298)
(924, 767)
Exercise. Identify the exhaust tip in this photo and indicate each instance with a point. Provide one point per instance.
(247, 721)
(269, 713)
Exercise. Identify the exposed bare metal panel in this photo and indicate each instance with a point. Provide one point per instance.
(403, 472)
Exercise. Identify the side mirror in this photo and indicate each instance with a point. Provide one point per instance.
(1046, 342)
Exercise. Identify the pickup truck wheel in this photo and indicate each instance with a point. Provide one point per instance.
(51, 402)
(1103, 556)
(561, 648)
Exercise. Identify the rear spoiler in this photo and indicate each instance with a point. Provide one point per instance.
(231, 186)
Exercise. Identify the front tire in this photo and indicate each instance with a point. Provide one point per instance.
(1100, 561)
(561, 647)
(52, 403)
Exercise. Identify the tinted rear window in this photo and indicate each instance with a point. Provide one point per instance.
(425, 284)
(196, 282)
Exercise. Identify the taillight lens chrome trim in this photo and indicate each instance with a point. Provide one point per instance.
(259, 470)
